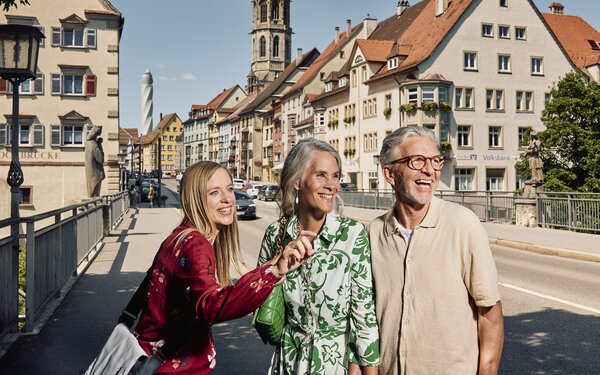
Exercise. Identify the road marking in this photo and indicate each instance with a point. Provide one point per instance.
(564, 302)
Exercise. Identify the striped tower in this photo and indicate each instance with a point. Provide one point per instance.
(146, 102)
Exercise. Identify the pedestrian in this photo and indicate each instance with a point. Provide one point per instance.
(151, 194)
(190, 279)
(329, 309)
(132, 196)
(437, 298)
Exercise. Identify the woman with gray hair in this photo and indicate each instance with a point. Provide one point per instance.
(329, 302)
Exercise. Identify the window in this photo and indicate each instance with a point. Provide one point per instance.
(537, 66)
(74, 37)
(503, 63)
(343, 82)
(275, 10)
(444, 133)
(494, 100)
(262, 47)
(393, 63)
(413, 95)
(73, 84)
(464, 135)
(520, 33)
(30, 134)
(524, 101)
(463, 179)
(494, 180)
(504, 3)
(26, 196)
(442, 94)
(547, 97)
(72, 135)
(353, 78)
(428, 94)
(463, 98)
(470, 61)
(263, 11)
(522, 136)
(503, 32)
(388, 101)
(495, 136)
(276, 46)
(365, 74)
(487, 30)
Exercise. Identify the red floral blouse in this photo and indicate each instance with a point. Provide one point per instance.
(183, 287)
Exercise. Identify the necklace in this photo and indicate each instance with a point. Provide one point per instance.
(306, 281)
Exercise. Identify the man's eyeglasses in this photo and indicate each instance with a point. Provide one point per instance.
(417, 162)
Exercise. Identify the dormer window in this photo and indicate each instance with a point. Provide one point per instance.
(328, 87)
(392, 63)
(343, 82)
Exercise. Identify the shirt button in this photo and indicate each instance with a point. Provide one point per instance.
(409, 260)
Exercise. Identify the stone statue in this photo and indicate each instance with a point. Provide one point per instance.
(94, 162)
(533, 156)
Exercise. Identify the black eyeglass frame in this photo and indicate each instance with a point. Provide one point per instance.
(410, 159)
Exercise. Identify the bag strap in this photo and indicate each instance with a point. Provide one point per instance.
(133, 308)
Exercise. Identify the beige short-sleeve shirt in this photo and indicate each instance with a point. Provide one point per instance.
(427, 293)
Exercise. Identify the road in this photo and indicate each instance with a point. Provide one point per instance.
(551, 307)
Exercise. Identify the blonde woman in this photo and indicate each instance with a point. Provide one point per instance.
(190, 275)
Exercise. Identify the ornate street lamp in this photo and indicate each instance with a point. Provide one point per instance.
(19, 46)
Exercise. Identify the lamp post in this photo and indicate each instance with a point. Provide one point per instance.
(376, 162)
(19, 46)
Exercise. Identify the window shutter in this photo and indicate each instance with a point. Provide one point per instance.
(56, 36)
(90, 38)
(3, 134)
(90, 85)
(38, 84)
(38, 134)
(55, 138)
(3, 86)
(56, 84)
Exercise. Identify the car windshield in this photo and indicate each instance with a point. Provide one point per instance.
(242, 196)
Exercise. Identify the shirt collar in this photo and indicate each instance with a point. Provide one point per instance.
(431, 219)
(327, 233)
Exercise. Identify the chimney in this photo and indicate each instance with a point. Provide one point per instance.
(369, 24)
(161, 117)
(402, 6)
(337, 34)
(298, 55)
(440, 7)
(556, 8)
(348, 28)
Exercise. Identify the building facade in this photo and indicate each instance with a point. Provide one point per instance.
(76, 88)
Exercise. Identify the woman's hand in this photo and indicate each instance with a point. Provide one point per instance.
(294, 254)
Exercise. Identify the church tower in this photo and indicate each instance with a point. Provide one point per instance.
(271, 41)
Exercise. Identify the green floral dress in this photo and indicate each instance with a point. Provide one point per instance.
(330, 308)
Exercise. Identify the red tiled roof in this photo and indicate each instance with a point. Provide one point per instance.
(330, 51)
(126, 134)
(578, 38)
(375, 50)
(219, 99)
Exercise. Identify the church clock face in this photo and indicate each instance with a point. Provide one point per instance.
(271, 37)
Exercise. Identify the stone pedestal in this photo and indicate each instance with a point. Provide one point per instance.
(526, 213)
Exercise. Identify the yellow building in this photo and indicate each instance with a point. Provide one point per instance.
(168, 129)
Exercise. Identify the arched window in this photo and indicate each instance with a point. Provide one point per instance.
(263, 11)
(276, 46)
(275, 10)
(262, 48)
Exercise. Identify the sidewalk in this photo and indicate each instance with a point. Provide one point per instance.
(563, 243)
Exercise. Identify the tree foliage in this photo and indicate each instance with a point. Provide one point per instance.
(571, 141)
(6, 4)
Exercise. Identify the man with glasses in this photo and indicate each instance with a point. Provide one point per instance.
(437, 298)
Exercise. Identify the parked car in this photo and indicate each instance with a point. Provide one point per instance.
(253, 190)
(167, 175)
(347, 186)
(268, 192)
(244, 205)
(238, 183)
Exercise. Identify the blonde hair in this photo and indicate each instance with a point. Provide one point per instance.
(194, 194)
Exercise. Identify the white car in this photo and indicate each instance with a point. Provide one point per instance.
(238, 183)
(253, 191)
(179, 176)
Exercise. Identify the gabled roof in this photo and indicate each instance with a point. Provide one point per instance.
(217, 100)
(330, 51)
(578, 38)
(306, 60)
(375, 50)
(150, 137)
(126, 134)
(239, 107)
(418, 31)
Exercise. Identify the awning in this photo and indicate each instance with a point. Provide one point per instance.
(278, 166)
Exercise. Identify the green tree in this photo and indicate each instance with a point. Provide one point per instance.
(571, 141)
(6, 4)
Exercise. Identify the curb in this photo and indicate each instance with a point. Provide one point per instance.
(539, 249)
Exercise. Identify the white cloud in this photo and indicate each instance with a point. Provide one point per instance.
(189, 77)
(161, 66)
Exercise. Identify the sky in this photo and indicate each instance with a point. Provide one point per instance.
(196, 49)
